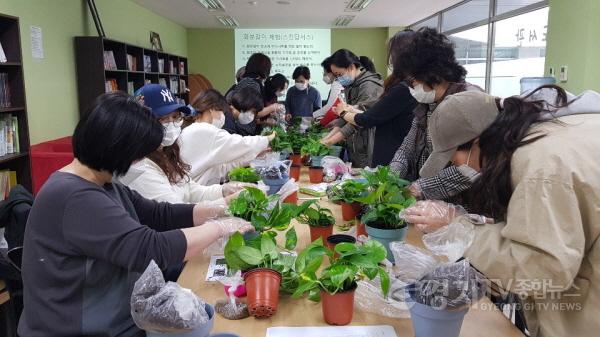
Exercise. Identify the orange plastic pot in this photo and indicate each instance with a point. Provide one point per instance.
(320, 232)
(262, 288)
(361, 229)
(350, 211)
(338, 309)
(291, 199)
(315, 175)
(296, 159)
(295, 172)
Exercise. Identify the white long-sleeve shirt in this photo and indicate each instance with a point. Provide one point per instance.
(149, 180)
(212, 152)
(335, 90)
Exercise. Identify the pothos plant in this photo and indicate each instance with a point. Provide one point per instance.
(348, 191)
(382, 175)
(353, 262)
(296, 139)
(281, 142)
(244, 175)
(314, 148)
(314, 215)
(384, 206)
(261, 251)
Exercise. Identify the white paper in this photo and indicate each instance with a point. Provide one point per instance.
(37, 44)
(342, 331)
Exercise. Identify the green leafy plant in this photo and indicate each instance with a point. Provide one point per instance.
(259, 252)
(348, 191)
(244, 174)
(250, 203)
(296, 139)
(314, 148)
(382, 175)
(281, 142)
(355, 262)
(385, 205)
(314, 215)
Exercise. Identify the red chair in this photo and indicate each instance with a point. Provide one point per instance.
(47, 158)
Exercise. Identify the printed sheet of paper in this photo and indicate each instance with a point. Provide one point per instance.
(217, 268)
(37, 44)
(342, 331)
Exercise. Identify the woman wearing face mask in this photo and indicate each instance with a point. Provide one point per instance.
(539, 179)
(429, 67)
(302, 99)
(275, 88)
(211, 151)
(335, 90)
(163, 175)
(362, 89)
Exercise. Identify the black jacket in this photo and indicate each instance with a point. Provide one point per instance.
(14, 212)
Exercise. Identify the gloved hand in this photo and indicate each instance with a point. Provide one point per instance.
(272, 136)
(415, 190)
(430, 215)
(204, 213)
(234, 187)
(230, 225)
(279, 108)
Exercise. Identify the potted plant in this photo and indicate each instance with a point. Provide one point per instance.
(319, 219)
(274, 176)
(381, 175)
(250, 203)
(244, 175)
(335, 284)
(296, 141)
(346, 193)
(382, 214)
(315, 150)
(280, 143)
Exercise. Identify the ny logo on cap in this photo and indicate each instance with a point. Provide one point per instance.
(166, 94)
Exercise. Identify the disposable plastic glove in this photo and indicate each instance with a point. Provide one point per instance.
(234, 187)
(430, 215)
(204, 213)
(230, 225)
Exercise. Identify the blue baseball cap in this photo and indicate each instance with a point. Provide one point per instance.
(160, 100)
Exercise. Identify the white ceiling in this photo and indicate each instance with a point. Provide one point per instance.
(298, 14)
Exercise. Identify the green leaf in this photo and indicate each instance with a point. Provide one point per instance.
(235, 242)
(249, 255)
(385, 282)
(314, 294)
(268, 246)
(291, 239)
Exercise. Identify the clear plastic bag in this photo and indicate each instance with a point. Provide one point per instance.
(451, 241)
(231, 308)
(288, 189)
(165, 307)
(334, 167)
(368, 298)
(411, 262)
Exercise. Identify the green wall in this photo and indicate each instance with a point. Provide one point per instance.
(211, 51)
(50, 83)
(573, 33)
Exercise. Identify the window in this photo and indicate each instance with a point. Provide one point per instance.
(471, 53)
(432, 22)
(519, 51)
(465, 14)
(504, 6)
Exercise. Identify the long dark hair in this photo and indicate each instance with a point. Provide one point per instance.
(169, 160)
(273, 84)
(491, 193)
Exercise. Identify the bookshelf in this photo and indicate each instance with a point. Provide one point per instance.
(127, 68)
(13, 107)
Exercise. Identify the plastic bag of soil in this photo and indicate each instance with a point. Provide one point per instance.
(165, 307)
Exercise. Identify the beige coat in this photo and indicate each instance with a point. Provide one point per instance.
(548, 249)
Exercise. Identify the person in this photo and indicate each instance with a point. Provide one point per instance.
(211, 151)
(335, 89)
(88, 238)
(163, 175)
(275, 88)
(243, 109)
(429, 65)
(239, 75)
(367, 63)
(362, 88)
(539, 179)
(302, 99)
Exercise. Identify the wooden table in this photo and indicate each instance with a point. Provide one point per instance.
(483, 320)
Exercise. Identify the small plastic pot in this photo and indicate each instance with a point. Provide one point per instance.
(335, 151)
(316, 161)
(338, 309)
(262, 288)
(275, 184)
(320, 232)
(350, 210)
(315, 175)
(291, 199)
(333, 240)
(295, 172)
(201, 331)
(385, 236)
(361, 229)
(296, 159)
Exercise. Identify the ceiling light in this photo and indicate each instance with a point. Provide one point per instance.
(343, 20)
(253, 3)
(357, 5)
(212, 5)
(281, 2)
(227, 21)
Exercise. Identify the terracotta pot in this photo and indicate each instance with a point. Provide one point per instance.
(361, 229)
(350, 211)
(315, 175)
(296, 159)
(262, 288)
(320, 232)
(339, 308)
(295, 172)
(291, 199)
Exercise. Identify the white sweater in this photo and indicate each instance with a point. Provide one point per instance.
(212, 152)
(149, 180)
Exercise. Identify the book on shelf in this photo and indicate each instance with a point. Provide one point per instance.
(182, 86)
(181, 68)
(131, 63)
(9, 135)
(162, 81)
(161, 66)
(110, 85)
(130, 88)
(172, 69)
(147, 63)
(174, 84)
(2, 55)
(147, 81)
(8, 180)
(109, 60)
(5, 97)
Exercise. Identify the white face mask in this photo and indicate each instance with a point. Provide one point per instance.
(422, 96)
(172, 132)
(280, 94)
(219, 122)
(245, 117)
(327, 79)
(301, 86)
